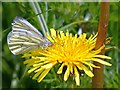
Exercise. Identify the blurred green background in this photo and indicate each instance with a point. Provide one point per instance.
(75, 17)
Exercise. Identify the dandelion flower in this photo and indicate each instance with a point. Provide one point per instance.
(75, 53)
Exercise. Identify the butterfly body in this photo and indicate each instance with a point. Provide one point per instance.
(25, 37)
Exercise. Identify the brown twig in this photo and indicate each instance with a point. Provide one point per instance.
(98, 79)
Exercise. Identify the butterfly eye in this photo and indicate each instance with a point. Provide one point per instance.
(47, 43)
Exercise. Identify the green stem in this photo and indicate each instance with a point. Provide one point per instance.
(40, 17)
(98, 79)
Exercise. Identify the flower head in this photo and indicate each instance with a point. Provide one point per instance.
(75, 53)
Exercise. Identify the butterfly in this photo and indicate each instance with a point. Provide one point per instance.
(25, 37)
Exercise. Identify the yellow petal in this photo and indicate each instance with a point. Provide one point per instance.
(77, 79)
(90, 38)
(75, 36)
(50, 65)
(67, 33)
(47, 66)
(29, 61)
(108, 40)
(44, 73)
(32, 69)
(99, 50)
(49, 37)
(39, 70)
(60, 69)
(26, 55)
(101, 61)
(37, 74)
(41, 58)
(30, 64)
(67, 73)
(78, 65)
(53, 33)
(70, 35)
(87, 71)
(62, 34)
(103, 56)
(95, 36)
(38, 64)
(109, 48)
(83, 36)
(90, 64)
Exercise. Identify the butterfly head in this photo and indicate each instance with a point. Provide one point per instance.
(47, 43)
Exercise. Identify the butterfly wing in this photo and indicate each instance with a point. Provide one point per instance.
(23, 37)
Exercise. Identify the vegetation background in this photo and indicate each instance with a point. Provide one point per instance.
(58, 15)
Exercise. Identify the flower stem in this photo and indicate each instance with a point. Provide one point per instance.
(98, 79)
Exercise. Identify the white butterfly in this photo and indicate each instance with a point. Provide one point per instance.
(25, 37)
